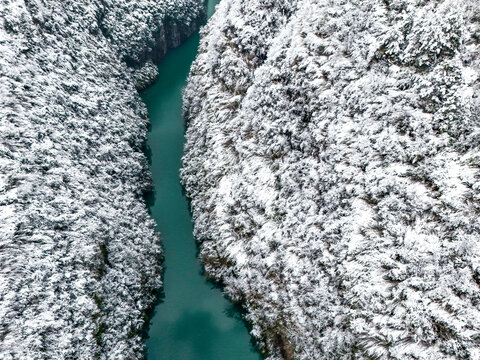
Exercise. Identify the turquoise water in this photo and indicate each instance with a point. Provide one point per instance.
(194, 321)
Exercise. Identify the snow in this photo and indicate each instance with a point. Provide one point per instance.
(78, 252)
(350, 178)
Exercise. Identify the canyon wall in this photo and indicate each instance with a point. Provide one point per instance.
(79, 257)
(333, 164)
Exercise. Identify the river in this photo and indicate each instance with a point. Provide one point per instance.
(194, 321)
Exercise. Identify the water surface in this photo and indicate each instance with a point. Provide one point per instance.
(194, 322)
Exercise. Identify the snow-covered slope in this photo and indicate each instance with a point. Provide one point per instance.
(78, 252)
(333, 163)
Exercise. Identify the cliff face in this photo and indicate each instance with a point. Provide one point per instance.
(79, 259)
(333, 164)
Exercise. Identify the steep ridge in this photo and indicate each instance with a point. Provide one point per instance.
(79, 258)
(333, 165)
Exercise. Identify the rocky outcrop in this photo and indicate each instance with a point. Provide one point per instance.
(332, 160)
(79, 257)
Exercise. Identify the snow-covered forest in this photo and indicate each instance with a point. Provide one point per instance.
(79, 258)
(333, 164)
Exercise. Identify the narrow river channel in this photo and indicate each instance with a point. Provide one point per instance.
(194, 322)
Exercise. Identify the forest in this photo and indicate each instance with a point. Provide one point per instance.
(332, 161)
(333, 167)
(79, 257)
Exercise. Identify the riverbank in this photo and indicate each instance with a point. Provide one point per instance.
(333, 164)
(194, 320)
(79, 252)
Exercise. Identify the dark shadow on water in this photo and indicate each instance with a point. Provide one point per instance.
(150, 313)
(235, 310)
(147, 151)
(149, 196)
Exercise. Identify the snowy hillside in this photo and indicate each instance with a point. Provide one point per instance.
(333, 163)
(78, 253)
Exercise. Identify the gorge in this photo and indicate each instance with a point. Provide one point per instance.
(331, 162)
(79, 257)
(194, 321)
